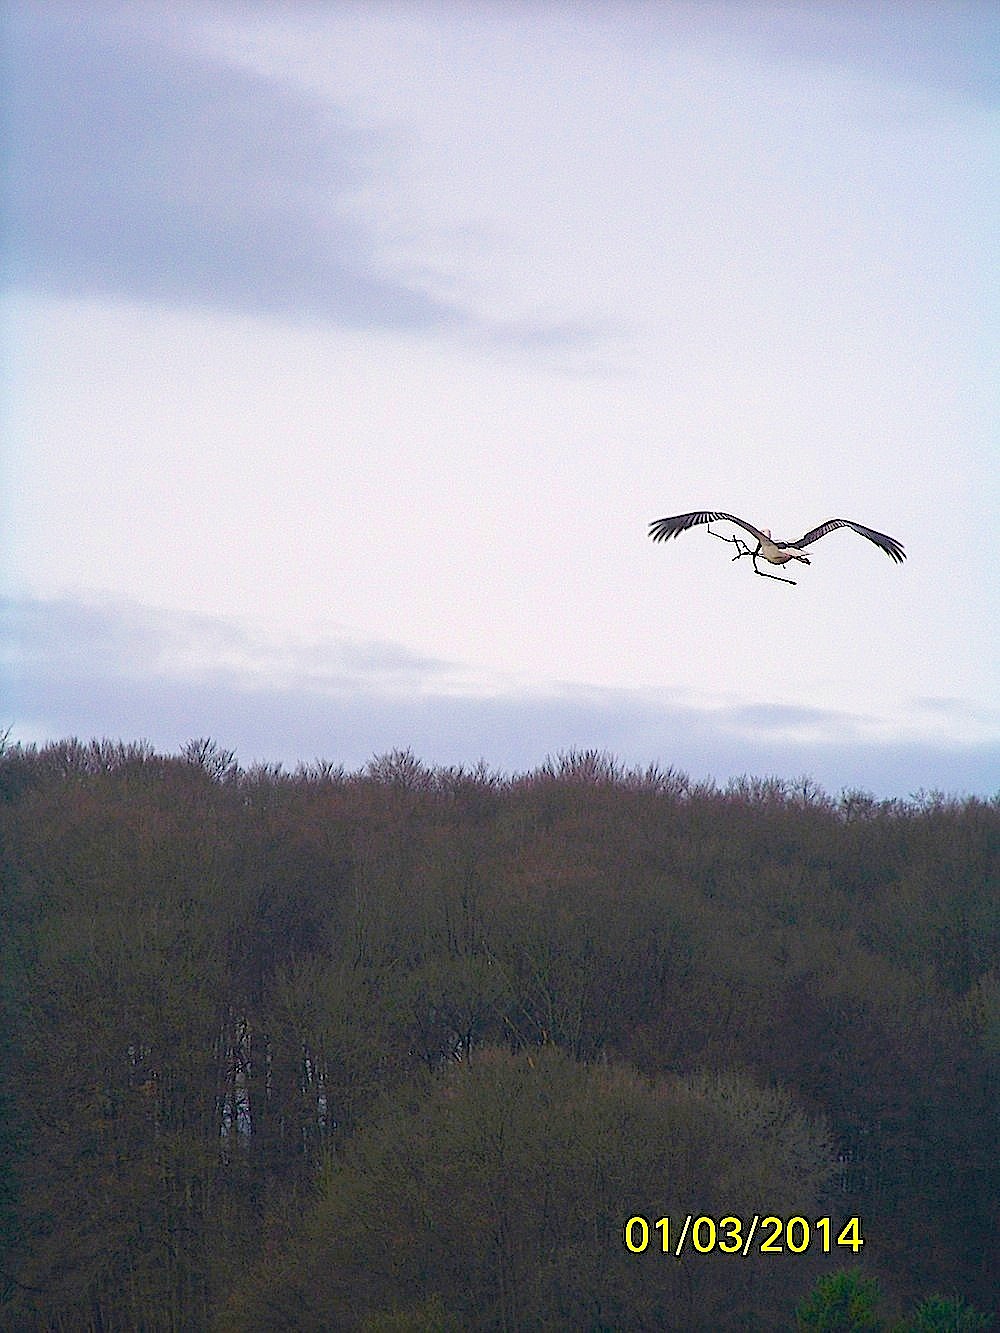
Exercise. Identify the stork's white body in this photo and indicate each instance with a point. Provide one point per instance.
(778, 555)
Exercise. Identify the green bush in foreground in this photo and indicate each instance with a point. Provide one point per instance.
(841, 1302)
(844, 1301)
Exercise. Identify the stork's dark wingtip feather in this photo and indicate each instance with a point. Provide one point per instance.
(892, 548)
(661, 529)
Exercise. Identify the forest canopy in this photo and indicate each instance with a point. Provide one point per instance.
(406, 1048)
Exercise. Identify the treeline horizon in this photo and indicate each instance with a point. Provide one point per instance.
(406, 1047)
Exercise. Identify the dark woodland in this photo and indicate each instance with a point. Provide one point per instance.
(405, 1049)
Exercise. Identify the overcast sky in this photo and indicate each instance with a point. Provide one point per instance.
(350, 349)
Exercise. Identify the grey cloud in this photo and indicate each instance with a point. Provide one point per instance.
(138, 170)
(113, 672)
(62, 639)
(958, 709)
(948, 46)
(55, 634)
(767, 718)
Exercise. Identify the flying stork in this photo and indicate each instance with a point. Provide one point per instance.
(775, 553)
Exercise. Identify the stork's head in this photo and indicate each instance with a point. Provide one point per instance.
(766, 532)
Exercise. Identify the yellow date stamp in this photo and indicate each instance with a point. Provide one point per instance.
(738, 1235)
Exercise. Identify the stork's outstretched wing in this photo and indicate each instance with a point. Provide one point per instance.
(892, 548)
(664, 528)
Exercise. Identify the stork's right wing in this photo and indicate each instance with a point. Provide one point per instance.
(662, 529)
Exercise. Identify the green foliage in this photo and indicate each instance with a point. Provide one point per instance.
(841, 1303)
(944, 1314)
(409, 1046)
(847, 1300)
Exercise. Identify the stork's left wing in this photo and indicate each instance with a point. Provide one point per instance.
(890, 545)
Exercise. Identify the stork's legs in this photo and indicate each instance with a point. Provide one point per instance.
(743, 549)
(777, 577)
